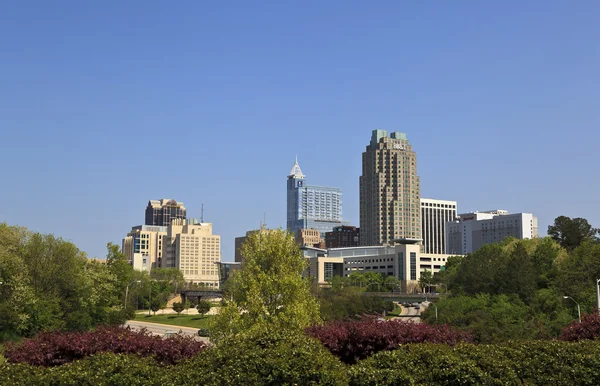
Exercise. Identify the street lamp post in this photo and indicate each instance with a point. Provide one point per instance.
(433, 304)
(126, 291)
(578, 309)
(598, 295)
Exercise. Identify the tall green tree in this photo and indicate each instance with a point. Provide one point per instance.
(268, 292)
(572, 232)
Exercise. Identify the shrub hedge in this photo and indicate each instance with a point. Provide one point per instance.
(288, 359)
(354, 340)
(512, 363)
(58, 348)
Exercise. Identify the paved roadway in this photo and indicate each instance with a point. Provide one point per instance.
(161, 329)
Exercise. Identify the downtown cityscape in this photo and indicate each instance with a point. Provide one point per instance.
(285, 193)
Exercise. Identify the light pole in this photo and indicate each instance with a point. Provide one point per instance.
(578, 309)
(598, 295)
(127, 291)
(433, 304)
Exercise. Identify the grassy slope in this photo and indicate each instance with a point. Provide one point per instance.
(194, 321)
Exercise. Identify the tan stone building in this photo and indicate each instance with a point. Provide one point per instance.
(309, 237)
(143, 247)
(187, 245)
(390, 191)
(191, 247)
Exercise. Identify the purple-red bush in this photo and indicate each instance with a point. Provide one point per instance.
(354, 340)
(57, 348)
(589, 328)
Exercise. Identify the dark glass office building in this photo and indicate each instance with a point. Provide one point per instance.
(161, 212)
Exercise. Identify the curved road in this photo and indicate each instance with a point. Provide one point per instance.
(161, 329)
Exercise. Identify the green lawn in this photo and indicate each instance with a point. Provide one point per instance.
(397, 311)
(194, 321)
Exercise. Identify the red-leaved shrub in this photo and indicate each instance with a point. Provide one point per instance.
(57, 348)
(354, 340)
(589, 328)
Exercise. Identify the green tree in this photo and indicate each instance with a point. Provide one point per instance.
(268, 292)
(425, 280)
(178, 307)
(571, 233)
(203, 307)
(155, 305)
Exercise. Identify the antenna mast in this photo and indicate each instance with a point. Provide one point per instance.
(202, 213)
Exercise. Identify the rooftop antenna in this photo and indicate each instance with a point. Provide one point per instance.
(265, 219)
(202, 213)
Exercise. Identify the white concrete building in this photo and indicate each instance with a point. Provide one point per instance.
(471, 231)
(143, 246)
(404, 261)
(435, 215)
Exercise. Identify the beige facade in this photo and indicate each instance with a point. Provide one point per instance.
(193, 249)
(324, 268)
(143, 246)
(310, 237)
(390, 191)
(187, 245)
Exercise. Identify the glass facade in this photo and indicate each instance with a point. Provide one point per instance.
(413, 266)
(401, 266)
(314, 207)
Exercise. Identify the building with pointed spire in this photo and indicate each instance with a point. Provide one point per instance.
(311, 207)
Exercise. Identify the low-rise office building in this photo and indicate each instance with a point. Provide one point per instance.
(404, 261)
(343, 237)
(471, 231)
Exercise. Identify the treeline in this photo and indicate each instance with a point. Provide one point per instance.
(516, 289)
(48, 284)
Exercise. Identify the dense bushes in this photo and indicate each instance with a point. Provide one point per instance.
(348, 303)
(300, 360)
(589, 328)
(354, 340)
(56, 348)
(275, 359)
(511, 363)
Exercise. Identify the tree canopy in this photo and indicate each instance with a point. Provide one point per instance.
(268, 291)
(572, 232)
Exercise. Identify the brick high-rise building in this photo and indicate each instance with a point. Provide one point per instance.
(344, 236)
(390, 190)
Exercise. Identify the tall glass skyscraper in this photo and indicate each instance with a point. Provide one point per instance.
(315, 207)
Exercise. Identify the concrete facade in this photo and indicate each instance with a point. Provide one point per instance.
(162, 212)
(471, 231)
(309, 237)
(143, 246)
(192, 247)
(390, 190)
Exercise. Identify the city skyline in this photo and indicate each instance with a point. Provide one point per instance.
(211, 102)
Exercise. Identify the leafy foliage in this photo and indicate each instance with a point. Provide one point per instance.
(273, 358)
(178, 307)
(268, 292)
(57, 348)
(203, 307)
(589, 328)
(349, 303)
(355, 340)
(530, 363)
(49, 284)
(571, 233)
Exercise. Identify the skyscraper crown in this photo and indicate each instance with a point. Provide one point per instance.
(296, 171)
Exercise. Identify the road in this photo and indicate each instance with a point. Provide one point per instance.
(161, 329)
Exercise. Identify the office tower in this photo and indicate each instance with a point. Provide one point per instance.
(343, 237)
(191, 247)
(314, 207)
(143, 246)
(471, 231)
(390, 190)
(161, 212)
(435, 214)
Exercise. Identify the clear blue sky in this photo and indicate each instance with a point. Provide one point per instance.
(105, 105)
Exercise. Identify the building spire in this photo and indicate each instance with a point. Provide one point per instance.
(296, 171)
